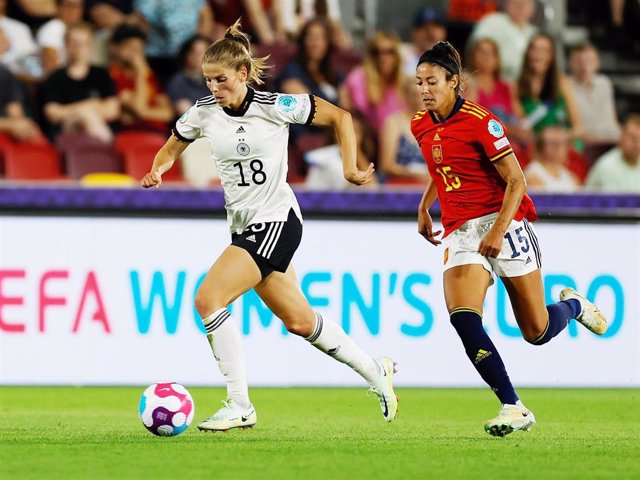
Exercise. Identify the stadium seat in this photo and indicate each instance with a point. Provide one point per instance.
(28, 161)
(84, 154)
(280, 54)
(344, 60)
(127, 140)
(137, 161)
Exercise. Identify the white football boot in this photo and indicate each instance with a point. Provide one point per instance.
(590, 316)
(231, 415)
(384, 388)
(509, 419)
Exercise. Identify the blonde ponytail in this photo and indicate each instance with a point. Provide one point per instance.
(234, 51)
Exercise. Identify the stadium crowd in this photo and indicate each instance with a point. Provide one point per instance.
(92, 86)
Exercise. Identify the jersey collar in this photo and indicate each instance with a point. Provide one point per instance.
(244, 106)
(456, 107)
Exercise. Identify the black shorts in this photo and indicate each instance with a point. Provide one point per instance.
(271, 244)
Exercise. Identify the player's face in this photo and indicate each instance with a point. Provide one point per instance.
(485, 57)
(540, 55)
(227, 85)
(435, 89)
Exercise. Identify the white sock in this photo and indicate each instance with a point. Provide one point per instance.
(330, 338)
(226, 345)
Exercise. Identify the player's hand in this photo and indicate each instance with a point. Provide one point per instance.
(360, 177)
(151, 179)
(425, 227)
(491, 244)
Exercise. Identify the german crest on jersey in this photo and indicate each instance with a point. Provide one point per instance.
(436, 153)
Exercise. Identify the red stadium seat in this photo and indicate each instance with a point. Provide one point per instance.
(84, 154)
(138, 160)
(28, 161)
(280, 54)
(127, 140)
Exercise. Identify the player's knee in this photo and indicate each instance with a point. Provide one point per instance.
(299, 324)
(532, 333)
(207, 302)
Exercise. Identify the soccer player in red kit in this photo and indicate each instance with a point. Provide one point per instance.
(486, 216)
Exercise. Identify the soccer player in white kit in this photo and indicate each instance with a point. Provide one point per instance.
(248, 132)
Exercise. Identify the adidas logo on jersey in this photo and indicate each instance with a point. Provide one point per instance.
(436, 137)
(240, 130)
(251, 238)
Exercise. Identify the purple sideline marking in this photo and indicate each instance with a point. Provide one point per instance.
(70, 200)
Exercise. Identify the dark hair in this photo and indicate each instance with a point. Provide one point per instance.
(325, 64)
(188, 45)
(234, 51)
(126, 31)
(551, 85)
(445, 56)
(582, 46)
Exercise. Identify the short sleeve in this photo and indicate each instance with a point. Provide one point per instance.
(187, 127)
(299, 108)
(492, 136)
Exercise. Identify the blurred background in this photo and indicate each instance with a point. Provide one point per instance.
(90, 89)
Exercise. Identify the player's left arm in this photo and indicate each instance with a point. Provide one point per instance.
(340, 120)
(516, 186)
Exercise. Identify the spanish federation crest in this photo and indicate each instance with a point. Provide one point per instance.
(436, 153)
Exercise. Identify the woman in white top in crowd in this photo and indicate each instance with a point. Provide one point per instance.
(248, 132)
(548, 171)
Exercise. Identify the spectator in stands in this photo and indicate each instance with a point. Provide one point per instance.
(110, 13)
(488, 88)
(80, 97)
(428, 28)
(168, 27)
(144, 105)
(20, 41)
(33, 13)
(511, 30)
(294, 14)
(594, 96)
(548, 171)
(544, 93)
(373, 89)
(217, 15)
(50, 36)
(12, 118)
(311, 71)
(400, 154)
(106, 15)
(188, 85)
(618, 171)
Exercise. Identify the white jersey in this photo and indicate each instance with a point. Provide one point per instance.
(249, 146)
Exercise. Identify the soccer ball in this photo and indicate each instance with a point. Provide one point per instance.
(166, 409)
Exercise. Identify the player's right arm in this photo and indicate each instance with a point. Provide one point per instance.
(425, 223)
(163, 161)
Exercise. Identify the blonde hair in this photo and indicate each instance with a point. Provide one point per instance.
(376, 85)
(234, 51)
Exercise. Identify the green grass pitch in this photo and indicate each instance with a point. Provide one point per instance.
(94, 433)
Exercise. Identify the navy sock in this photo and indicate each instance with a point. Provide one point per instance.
(559, 315)
(482, 353)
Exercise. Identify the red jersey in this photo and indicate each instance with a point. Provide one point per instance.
(459, 152)
(124, 81)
